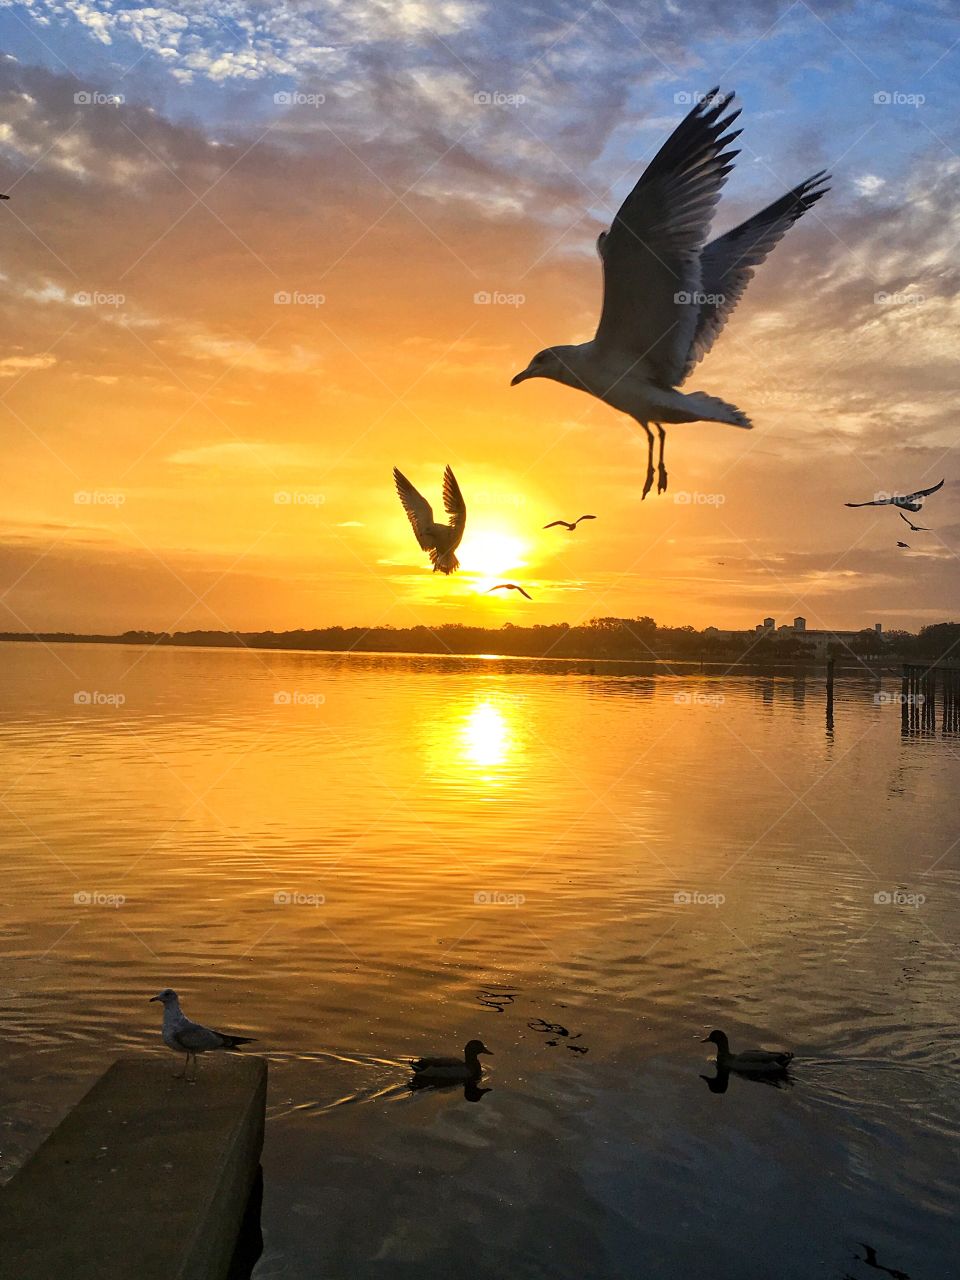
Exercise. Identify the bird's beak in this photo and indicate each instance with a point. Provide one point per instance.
(706, 1040)
(487, 1051)
(522, 376)
(152, 998)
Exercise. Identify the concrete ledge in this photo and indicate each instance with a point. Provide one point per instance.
(147, 1177)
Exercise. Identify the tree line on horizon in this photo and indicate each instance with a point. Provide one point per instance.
(626, 639)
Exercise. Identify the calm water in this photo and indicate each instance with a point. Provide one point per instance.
(399, 854)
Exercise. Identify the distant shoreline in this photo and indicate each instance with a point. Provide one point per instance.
(285, 643)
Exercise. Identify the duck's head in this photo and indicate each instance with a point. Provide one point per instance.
(166, 996)
(474, 1048)
(719, 1039)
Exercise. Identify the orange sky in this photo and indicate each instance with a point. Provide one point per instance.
(156, 398)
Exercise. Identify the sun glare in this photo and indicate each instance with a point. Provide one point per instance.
(490, 554)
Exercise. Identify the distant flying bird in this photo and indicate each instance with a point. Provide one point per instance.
(917, 528)
(904, 544)
(3, 197)
(905, 501)
(567, 524)
(666, 293)
(188, 1037)
(509, 586)
(440, 540)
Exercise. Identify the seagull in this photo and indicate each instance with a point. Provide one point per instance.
(567, 524)
(666, 292)
(188, 1037)
(509, 586)
(904, 544)
(3, 197)
(905, 501)
(917, 528)
(440, 540)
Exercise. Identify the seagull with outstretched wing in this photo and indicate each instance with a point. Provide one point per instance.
(905, 545)
(905, 501)
(510, 586)
(917, 528)
(439, 540)
(568, 524)
(666, 292)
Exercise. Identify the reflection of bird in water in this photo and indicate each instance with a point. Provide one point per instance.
(905, 501)
(440, 540)
(871, 1261)
(751, 1061)
(917, 528)
(451, 1070)
(719, 1082)
(568, 524)
(510, 586)
(188, 1037)
(667, 293)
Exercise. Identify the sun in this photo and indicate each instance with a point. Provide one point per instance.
(491, 553)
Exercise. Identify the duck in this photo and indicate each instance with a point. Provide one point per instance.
(752, 1061)
(447, 1070)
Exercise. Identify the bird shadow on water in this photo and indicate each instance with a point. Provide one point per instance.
(718, 1083)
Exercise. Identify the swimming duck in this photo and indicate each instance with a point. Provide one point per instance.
(442, 1070)
(751, 1062)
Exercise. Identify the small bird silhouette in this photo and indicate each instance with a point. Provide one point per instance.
(439, 540)
(3, 197)
(904, 544)
(905, 501)
(568, 524)
(917, 528)
(510, 586)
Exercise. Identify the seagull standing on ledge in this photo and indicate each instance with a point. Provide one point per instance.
(666, 293)
(188, 1037)
(440, 540)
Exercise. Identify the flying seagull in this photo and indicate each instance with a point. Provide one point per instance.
(568, 524)
(904, 544)
(905, 501)
(917, 528)
(3, 197)
(440, 540)
(510, 586)
(188, 1037)
(666, 292)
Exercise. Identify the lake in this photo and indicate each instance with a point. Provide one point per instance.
(358, 859)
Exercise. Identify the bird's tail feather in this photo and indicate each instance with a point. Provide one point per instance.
(444, 563)
(234, 1042)
(711, 409)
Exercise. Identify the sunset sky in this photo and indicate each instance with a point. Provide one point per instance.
(379, 165)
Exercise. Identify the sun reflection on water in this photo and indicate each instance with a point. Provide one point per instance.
(486, 736)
